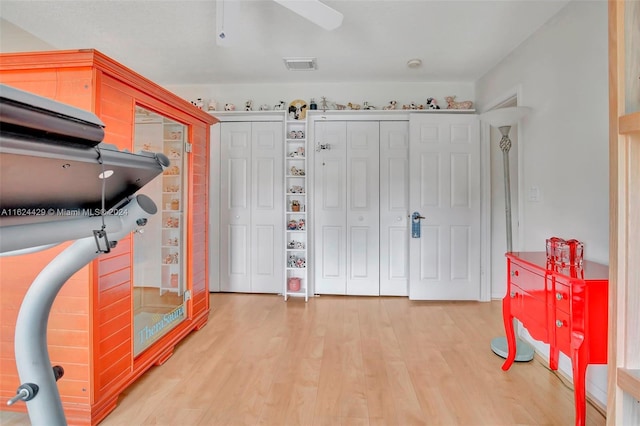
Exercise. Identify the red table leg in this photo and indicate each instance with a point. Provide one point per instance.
(579, 372)
(510, 335)
(553, 357)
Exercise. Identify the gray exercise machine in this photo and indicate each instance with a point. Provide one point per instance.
(59, 182)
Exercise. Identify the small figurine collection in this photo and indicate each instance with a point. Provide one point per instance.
(172, 222)
(295, 134)
(296, 189)
(293, 244)
(295, 225)
(298, 152)
(171, 259)
(172, 171)
(296, 261)
(297, 109)
(173, 154)
(296, 171)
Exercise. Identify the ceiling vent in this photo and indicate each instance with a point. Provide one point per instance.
(300, 64)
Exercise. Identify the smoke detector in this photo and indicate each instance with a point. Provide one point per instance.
(300, 64)
(414, 63)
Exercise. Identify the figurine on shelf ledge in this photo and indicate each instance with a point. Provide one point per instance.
(248, 105)
(279, 106)
(391, 106)
(323, 102)
(198, 103)
(452, 104)
(432, 104)
(298, 110)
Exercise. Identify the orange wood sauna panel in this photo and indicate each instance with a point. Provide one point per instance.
(90, 327)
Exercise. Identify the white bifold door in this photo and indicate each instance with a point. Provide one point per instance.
(361, 201)
(369, 178)
(251, 210)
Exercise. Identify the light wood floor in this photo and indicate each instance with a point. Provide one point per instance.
(344, 361)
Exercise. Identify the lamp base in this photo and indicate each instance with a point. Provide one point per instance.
(524, 351)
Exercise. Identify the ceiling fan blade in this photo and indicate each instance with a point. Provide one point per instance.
(315, 11)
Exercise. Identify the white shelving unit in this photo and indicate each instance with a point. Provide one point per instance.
(172, 209)
(296, 282)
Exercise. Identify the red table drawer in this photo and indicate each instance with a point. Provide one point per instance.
(527, 279)
(531, 310)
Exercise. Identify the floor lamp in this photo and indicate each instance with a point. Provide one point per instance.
(503, 119)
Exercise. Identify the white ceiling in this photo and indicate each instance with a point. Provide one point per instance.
(174, 42)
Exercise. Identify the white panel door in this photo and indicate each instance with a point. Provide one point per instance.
(363, 203)
(444, 170)
(267, 158)
(330, 198)
(251, 193)
(394, 208)
(235, 209)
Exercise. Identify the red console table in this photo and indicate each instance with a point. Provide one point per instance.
(564, 307)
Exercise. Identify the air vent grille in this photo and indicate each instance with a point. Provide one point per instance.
(300, 64)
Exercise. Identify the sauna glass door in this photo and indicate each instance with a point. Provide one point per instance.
(159, 247)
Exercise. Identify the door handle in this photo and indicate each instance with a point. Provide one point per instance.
(415, 224)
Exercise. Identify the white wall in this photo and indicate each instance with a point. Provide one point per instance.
(562, 72)
(15, 39)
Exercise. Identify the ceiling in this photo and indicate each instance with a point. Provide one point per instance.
(174, 42)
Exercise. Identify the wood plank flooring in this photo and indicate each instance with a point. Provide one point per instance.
(344, 361)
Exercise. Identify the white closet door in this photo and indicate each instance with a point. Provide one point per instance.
(235, 209)
(394, 208)
(267, 231)
(330, 208)
(444, 162)
(363, 204)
